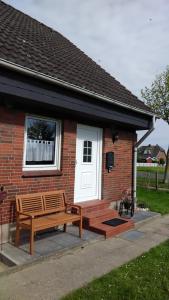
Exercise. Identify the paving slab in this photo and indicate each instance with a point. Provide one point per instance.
(46, 244)
(132, 235)
(58, 275)
(3, 267)
(143, 215)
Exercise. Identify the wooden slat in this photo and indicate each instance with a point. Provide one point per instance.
(30, 203)
(53, 200)
(52, 220)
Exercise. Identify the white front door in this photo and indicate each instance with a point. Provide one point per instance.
(88, 163)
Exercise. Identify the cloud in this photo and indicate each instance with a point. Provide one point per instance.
(129, 38)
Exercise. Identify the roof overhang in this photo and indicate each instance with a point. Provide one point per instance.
(50, 79)
(30, 90)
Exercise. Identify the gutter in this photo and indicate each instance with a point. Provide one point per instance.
(62, 83)
(138, 143)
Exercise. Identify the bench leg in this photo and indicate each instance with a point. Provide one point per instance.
(80, 228)
(17, 237)
(65, 227)
(32, 242)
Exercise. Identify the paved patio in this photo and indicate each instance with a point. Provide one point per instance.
(57, 242)
(53, 241)
(3, 267)
(56, 276)
(141, 216)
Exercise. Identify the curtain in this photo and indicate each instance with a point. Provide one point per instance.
(39, 150)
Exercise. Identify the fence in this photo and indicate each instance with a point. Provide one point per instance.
(147, 164)
(151, 179)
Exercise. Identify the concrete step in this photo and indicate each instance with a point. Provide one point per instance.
(93, 206)
(96, 212)
(109, 231)
(99, 216)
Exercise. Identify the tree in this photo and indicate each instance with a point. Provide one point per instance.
(161, 161)
(157, 98)
(41, 130)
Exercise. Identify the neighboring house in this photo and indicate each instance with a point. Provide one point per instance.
(151, 153)
(60, 114)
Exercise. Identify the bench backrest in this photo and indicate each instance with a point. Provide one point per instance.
(29, 203)
(39, 202)
(54, 200)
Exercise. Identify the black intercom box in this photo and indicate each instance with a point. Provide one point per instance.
(109, 160)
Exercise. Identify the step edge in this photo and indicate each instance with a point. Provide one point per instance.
(113, 228)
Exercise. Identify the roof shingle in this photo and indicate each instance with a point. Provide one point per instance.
(31, 44)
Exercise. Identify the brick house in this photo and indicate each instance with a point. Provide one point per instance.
(151, 153)
(60, 114)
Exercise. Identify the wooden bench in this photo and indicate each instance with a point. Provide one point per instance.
(45, 210)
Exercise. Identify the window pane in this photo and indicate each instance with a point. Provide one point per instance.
(85, 143)
(40, 144)
(87, 151)
(89, 158)
(84, 158)
(89, 144)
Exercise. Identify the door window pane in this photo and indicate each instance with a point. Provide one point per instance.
(87, 151)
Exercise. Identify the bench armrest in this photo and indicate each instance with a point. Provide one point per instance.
(70, 206)
(29, 215)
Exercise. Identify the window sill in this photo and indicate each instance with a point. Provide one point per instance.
(42, 173)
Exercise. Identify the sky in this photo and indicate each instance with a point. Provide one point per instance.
(128, 38)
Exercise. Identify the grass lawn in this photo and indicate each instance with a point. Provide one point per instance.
(145, 278)
(151, 169)
(155, 200)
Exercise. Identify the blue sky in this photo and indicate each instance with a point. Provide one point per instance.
(128, 38)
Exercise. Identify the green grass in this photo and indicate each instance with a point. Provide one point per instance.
(157, 201)
(151, 169)
(145, 278)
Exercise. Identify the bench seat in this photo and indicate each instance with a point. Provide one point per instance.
(47, 221)
(39, 211)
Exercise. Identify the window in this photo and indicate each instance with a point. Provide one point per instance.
(87, 151)
(42, 144)
(147, 151)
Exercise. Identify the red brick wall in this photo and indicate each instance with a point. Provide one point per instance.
(11, 159)
(149, 160)
(121, 176)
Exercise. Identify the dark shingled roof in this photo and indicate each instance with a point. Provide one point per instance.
(29, 43)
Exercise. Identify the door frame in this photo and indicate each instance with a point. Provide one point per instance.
(99, 163)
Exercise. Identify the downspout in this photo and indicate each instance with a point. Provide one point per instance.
(138, 143)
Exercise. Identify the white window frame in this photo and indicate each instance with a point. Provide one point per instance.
(56, 165)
